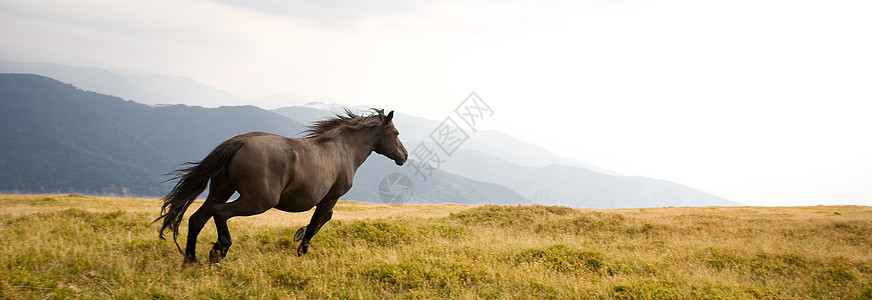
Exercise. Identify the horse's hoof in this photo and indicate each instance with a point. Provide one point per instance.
(190, 261)
(304, 247)
(300, 234)
(216, 255)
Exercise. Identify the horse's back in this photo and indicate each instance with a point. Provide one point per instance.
(287, 171)
(260, 164)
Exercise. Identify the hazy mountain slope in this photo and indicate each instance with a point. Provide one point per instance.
(477, 165)
(304, 115)
(440, 187)
(148, 89)
(493, 143)
(58, 138)
(578, 187)
(522, 152)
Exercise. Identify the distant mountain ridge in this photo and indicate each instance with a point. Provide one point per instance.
(60, 139)
(416, 129)
(68, 140)
(578, 187)
(147, 89)
(537, 174)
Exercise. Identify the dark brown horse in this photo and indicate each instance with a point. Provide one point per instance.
(272, 171)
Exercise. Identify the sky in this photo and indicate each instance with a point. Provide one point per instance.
(761, 102)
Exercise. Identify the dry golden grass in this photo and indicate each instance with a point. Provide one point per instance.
(59, 246)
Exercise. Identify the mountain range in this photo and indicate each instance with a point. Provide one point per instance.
(60, 138)
(535, 173)
(146, 88)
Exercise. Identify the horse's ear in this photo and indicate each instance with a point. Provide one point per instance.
(389, 117)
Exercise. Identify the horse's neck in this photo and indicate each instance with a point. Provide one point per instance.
(356, 145)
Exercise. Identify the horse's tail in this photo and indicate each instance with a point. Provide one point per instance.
(192, 182)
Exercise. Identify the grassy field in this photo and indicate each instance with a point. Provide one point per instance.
(69, 246)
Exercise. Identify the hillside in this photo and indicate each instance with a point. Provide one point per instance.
(69, 246)
(579, 187)
(62, 139)
(440, 187)
(481, 166)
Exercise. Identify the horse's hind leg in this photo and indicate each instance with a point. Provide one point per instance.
(323, 213)
(243, 206)
(195, 225)
(219, 192)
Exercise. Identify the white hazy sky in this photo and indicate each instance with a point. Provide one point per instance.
(762, 102)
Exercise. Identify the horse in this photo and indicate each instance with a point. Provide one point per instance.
(273, 171)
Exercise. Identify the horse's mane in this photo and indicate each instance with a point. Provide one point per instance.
(328, 128)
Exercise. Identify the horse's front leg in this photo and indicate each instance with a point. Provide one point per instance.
(323, 213)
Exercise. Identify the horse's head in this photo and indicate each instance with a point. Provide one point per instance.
(389, 143)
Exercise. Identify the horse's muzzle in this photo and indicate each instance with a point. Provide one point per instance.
(402, 157)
